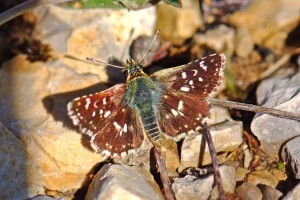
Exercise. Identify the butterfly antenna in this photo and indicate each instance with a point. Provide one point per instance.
(98, 61)
(151, 44)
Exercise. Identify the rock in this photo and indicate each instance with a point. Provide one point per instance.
(267, 21)
(18, 75)
(143, 157)
(172, 21)
(191, 187)
(282, 94)
(121, 181)
(270, 193)
(105, 37)
(14, 183)
(228, 181)
(34, 96)
(241, 173)
(262, 177)
(218, 115)
(291, 155)
(248, 157)
(293, 194)
(220, 38)
(243, 42)
(44, 197)
(226, 137)
(63, 163)
(248, 191)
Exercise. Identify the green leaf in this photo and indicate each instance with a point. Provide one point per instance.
(176, 3)
(130, 4)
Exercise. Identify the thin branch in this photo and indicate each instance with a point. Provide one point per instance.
(274, 67)
(24, 7)
(255, 108)
(217, 174)
(168, 192)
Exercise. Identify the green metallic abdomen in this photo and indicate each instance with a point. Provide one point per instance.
(142, 95)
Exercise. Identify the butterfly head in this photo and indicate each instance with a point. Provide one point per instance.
(133, 69)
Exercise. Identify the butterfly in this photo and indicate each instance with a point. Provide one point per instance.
(169, 103)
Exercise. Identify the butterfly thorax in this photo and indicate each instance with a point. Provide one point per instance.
(134, 70)
(143, 95)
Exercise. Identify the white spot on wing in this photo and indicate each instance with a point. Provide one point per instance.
(125, 128)
(202, 65)
(174, 112)
(101, 112)
(107, 113)
(181, 113)
(104, 101)
(118, 127)
(200, 79)
(95, 104)
(195, 72)
(185, 89)
(180, 105)
(183, 74)
(191, 82)
(87, 103)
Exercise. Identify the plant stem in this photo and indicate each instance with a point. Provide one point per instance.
(255, 108)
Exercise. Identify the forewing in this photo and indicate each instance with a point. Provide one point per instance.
(185, 89)
(103, 116)
(199, 78)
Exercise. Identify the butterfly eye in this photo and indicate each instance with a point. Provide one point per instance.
(125, 73)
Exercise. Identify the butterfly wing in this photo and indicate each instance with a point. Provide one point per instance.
(185, 89)
(113, 127)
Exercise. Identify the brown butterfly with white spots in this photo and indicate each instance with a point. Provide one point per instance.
(169, 103)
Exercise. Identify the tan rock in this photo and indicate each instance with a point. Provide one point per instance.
(248, 191)
(21, 90)
(262, 177)
(220, 38)
(173, 22)
(201, 188)
(241, 173)
(55, 154)
(100, 33)
(269, 21)
(14, 183)
(243, 42)
(226, 137)
(123, 182)
(34, 95)
(143, 157)
(228, 181)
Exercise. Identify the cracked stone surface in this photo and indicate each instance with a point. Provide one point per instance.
(34, 95)
(283, 94)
